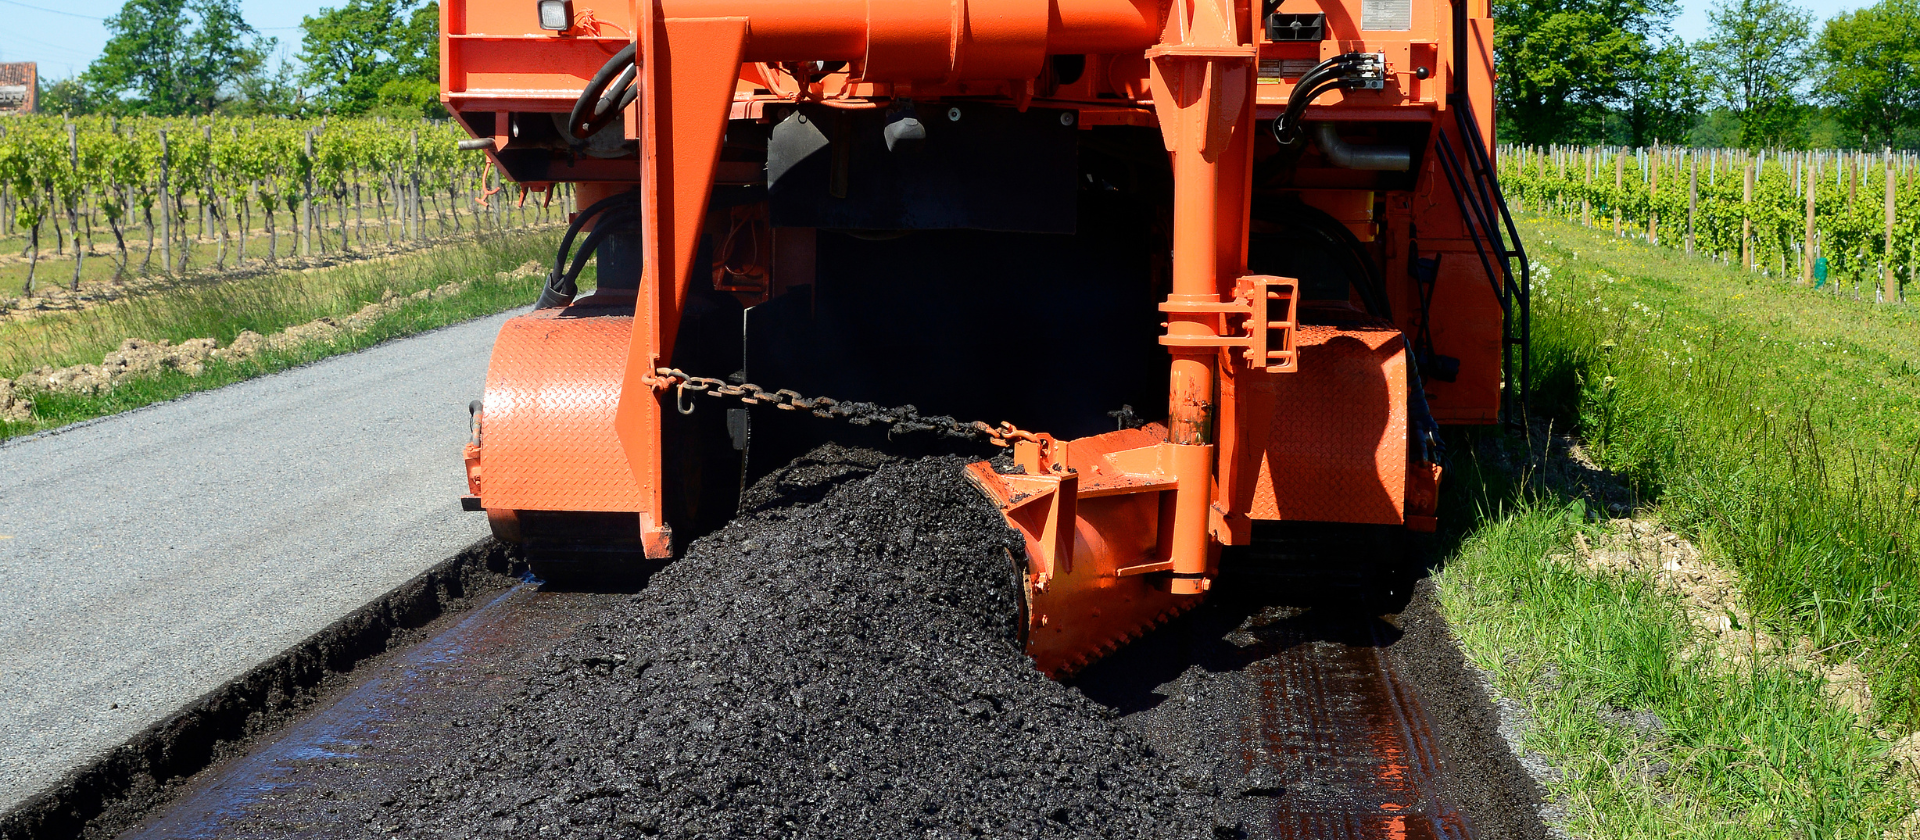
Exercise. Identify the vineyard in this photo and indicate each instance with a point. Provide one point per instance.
(1839, 221)
(165, 196)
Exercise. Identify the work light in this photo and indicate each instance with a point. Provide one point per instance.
(556, 15)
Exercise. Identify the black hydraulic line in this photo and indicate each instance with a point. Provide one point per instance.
(1325, 76)
(559, 289)
(618, 221)
(581, 219)
(618, 96)
(579, 123)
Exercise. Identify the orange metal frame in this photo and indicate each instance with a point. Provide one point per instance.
(1152, 507)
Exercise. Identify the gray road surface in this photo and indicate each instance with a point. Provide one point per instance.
(148, 558)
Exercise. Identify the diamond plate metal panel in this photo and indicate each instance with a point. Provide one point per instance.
(1336, 431)
(548, 441)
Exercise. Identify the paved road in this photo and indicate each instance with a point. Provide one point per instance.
(152, 556)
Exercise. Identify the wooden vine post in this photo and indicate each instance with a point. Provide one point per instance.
(1890, 287)
(1619, 182)
(1807, 252)
(1586, 195)
(1693, 195)
(1653, 192)
(1746, 217)
(413, 185)
(166, 205)
(73, 215)
(306, 233)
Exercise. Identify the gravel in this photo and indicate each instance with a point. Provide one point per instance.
(839, 662)
(156, 555)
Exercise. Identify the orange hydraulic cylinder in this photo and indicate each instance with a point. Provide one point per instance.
(1190, 388)
(1195, 280)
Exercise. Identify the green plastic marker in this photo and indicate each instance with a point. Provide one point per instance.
(1819, 272)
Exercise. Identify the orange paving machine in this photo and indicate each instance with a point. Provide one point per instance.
(1278, 220)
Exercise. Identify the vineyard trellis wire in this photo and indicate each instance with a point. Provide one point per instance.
(1774, 212)
(170, 192)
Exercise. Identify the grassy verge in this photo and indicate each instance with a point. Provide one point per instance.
(1776, 427)
(266, 305)
(1651, 736)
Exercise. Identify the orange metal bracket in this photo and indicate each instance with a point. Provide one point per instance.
(1270, 305)
(689, 69)
(1099, 516)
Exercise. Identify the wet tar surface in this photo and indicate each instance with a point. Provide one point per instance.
(841, 662)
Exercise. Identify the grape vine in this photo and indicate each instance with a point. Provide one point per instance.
(165, 196)
(1701, 199)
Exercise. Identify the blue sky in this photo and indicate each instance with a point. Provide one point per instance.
(1692, 23)
(65, 35)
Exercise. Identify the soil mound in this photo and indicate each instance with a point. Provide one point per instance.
(842, 666)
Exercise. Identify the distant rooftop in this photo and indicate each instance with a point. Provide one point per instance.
(18, 85)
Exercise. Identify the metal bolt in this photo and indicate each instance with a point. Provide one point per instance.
(953, 115)
(1066, 118)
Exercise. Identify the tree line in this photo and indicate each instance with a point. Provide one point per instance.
(200, 57)
(1765, 76)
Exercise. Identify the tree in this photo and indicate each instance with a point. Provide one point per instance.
(1869, 69)
(1562, 63)
(67, 96)
(1755, 62)
(174, 57)
(264, 93)
(373, 54)
(1661, 103)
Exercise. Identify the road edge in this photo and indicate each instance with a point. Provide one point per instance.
(120, 786)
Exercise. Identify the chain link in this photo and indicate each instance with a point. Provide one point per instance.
(904, 418)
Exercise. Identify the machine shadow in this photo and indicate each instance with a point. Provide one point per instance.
(1242, 624)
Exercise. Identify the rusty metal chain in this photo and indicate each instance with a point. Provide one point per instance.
(904, 418)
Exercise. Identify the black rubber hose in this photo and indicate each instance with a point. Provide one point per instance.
(578, 122)
(618, 96)
(559, 290)
(1323, 77)
(1286, 128)
(580, 223)
(1332, 68)
(1319, 72)
(565, 284)
(618, 221)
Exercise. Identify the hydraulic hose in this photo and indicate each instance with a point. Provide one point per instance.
(1347, 71)
(593, 110)
(560, 288)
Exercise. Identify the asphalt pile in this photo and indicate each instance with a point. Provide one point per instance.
(841, 661)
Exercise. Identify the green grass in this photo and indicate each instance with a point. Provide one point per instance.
(1777, 425)
(1752, 752)
(265, 304)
